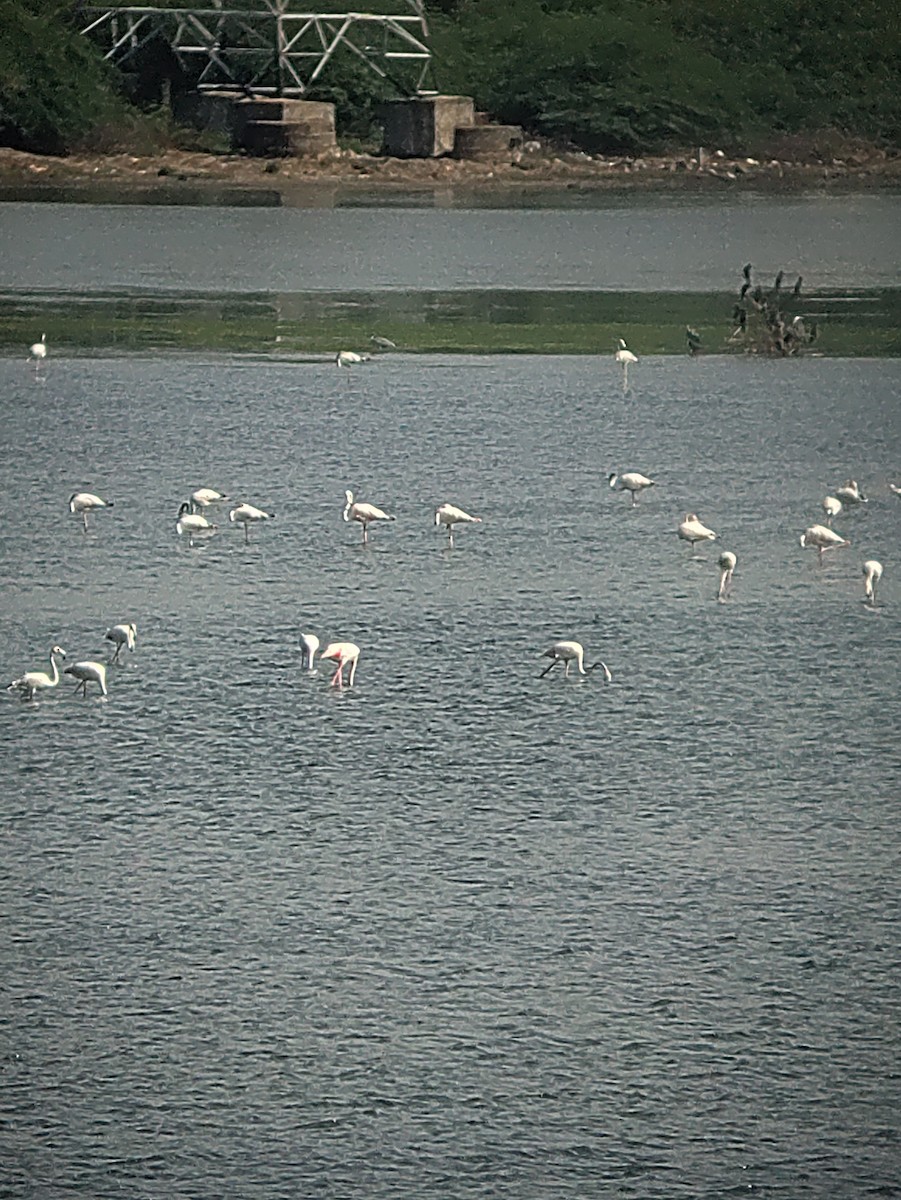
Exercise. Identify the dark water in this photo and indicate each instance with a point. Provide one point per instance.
(457, 932)
(637, 244)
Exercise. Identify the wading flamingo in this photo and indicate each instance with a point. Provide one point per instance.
(88, 672)
(449, 516)
(872, 573)
(122, 636)
(36, 681)
(246, 514)
(822, 539)
(691, 530)
(364, 513)
(631, 482)
(571, 652)
(345, 653)
(727, 566)
(85, 502)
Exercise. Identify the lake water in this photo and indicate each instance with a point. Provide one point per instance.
(458, 931)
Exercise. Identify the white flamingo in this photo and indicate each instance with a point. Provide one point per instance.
(822, 539)
(191, 523)
(309, 644)
(727, 567)
(88, 672)
(850, 493)
(36, 681)
(449, 516)
(204, 497)
(348, 358)
(246, 515)
(832, 506)
(85, 502)
(568, 653)
(345, 653)
(123, 637)
(872, 573)
(692, 530)
(631, 482)
(624, 357)
(38, 351)
(364, 513)
(896, 488)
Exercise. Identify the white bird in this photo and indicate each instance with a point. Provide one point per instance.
(38, 350)
(364, 513)
(344, 652)
(727, 566)
(382, 343)
(831, 507)
(850, 493)
(691, 530)
(896, 488)
(35, 681)
(309, 644)
(122, 635)
(624, 357)
(204, 497)
(822, 539)
(572, 652)
(246, 514)
(348, 358)
(191, 523)
(631, 482)
(85, 502)
(88, 672)
(449, 516)
(872, 573)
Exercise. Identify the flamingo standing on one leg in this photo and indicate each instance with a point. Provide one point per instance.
(85, 502)
(38, 352)
(872, 573)
(624, 357)
(632, 482)
(571, 652)
(345, 653)
(449, 516)
(822, 539)
(364, 513)
(692, 530)
(246, 515)
(832, 506)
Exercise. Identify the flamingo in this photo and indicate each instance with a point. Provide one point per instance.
(832, 506)
(691, 530)
(896, 488)
(85, 502)
(631, 482)
(191, 523)
(571, 652)
(36, 681)
(347, 358)
(624, 357)
(850, 493)
(382, 343)
(344, 652)
(309, 644)
(727, 566)
(88, 672)
(38, 351)
(245, 514)
(364, 513)
(822, 539)
(204, 497)
(449, 516)
(872, 573)
(122, 635)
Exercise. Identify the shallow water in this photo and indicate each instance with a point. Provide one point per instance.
(458, 930)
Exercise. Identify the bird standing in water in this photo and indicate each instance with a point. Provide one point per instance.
(346, 653)
(568, 653)
(364, 513)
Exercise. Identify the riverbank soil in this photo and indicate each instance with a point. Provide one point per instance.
(788, 165)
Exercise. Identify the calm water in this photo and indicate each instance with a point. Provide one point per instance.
(458, 932)
(671, 243)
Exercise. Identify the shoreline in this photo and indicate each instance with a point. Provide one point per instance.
(171, 175)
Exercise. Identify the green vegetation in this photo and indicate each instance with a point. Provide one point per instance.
(616, 76)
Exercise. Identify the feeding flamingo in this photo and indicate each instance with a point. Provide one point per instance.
(345, 653)
(568, 653)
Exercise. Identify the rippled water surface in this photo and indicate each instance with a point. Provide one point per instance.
(635, 243)
(457, 931)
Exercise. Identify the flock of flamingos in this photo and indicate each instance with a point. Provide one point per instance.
(194, 525)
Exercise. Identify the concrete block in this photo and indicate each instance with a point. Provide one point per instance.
(424, 126)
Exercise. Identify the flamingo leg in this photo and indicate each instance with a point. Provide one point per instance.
(550, 668)
(353, 671)
(337, 680)
(365, 533)
(84, 520)
(246, 532)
